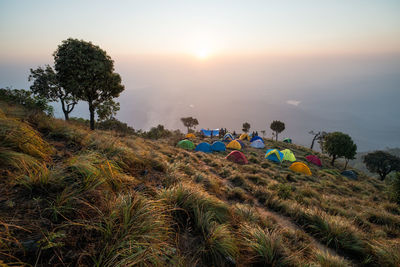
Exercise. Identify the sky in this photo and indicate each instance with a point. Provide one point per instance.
(316, 65)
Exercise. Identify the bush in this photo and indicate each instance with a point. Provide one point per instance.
(157, 132)
(394, 191)
(25, 98)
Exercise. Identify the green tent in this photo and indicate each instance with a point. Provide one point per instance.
(186, 144)
(288, 155)
(287, 140)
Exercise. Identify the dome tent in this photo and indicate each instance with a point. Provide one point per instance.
(300, 167)
(237, 157)
(350, 174)
(256, 138)
(257, 144)
(288, 155)
(190, 135)
(244, 136)
(241, 143)
(218, 146)
(204, 147)
(228, 136)
(234, 145)
(314, 160)
(186, 144)
(274, 155)
(287, 140)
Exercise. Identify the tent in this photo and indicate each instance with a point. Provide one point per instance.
(287, 140)
(244, 136)
(257, 144)
(274, 155)
(241, 143)
(288, 155)
(314, 160)
(228, 136)
(190, 135)
(234, 144)
(204, 147)
(218, 146)
(237, 157)
(214, 132)
(300, 167)
(256, 138)
(186, 144)
(350, 174)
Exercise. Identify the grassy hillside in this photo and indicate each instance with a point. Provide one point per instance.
(72, 197)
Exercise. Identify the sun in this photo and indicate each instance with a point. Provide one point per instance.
(202, 54)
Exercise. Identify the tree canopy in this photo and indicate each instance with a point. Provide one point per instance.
(46, 85)
(382, 163)
(246, 127)
(338, 144)
(189, 123)
(277, 127)
(86, 71)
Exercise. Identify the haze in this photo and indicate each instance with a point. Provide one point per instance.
(316, 65)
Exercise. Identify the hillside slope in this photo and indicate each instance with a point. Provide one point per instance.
(74, 197)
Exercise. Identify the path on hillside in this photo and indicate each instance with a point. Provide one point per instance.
(286, 222)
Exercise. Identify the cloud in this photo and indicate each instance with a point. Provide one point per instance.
(293, 102)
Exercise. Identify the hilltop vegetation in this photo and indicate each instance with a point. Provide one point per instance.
(75, 197)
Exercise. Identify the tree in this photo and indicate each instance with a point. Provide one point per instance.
(319, 137)
(263, 133)
(277, 127)
(189, 122)
(246, 127)
(350, 154)
(107, 110)
(46, 85)
(382, 163)
(88, 72)
(339, 145)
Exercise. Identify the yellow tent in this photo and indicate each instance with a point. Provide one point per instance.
(244, 136)
(190, 135)
(300, 167)
(234, 145)
(288, 155)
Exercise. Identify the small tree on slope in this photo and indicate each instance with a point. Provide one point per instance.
(339, 145)
(382, 163)
(246, 127)
(189, 122)
(277, 127)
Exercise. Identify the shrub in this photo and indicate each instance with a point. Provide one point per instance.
(25, 98)
(156, 132)
(394, 188)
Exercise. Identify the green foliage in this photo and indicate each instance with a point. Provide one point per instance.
(277, 127)
(115, 125)
(189, 122)
(381, 162)
(107, 110)
(339, 145)
(26, 99)
(246, 127)
(87, 72)
(394, 190)
(157, 132)
(46, 85)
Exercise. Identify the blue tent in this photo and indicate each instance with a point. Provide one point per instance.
(256, 138)
(257, 144)
(218, 146)
(204, 147)
(240, 142)
(349, 174)
(214, 132)
(274, 155)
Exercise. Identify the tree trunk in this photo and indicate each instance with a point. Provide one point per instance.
(276, 136)
(345, 165)
(313, 140)
(333, 161)
(66, 113)
(91, 110)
